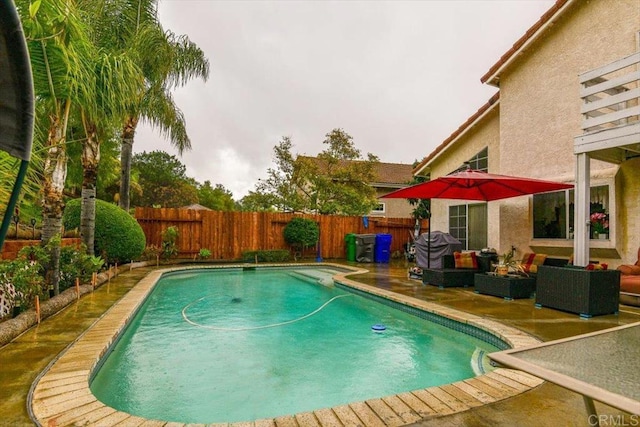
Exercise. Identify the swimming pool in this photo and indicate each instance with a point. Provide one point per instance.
(226, 346)
(61, 395)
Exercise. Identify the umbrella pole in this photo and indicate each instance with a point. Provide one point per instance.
(429, 240)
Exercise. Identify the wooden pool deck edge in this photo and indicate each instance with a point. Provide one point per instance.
(61, 395)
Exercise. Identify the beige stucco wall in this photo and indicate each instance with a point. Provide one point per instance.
(540, 114)
(485, 133)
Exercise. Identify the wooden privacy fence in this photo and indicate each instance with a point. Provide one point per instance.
(228, 234)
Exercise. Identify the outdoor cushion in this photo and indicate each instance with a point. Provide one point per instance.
(465, 260)
(630, 285)
(531, 261)
(629, 269)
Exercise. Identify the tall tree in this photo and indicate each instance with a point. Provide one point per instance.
(117, 76)
(287, 181)
(341, 177)
(173, 62)
(163, 180)
(218, 198)
(334, 182)
(258, 201)
(61, 53)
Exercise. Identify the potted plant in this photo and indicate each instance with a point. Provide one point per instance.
(600, 225)
(507, 263)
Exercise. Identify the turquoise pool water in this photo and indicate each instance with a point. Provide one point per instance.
(230, 345)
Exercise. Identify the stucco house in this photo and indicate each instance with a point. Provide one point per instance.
(391, 177)
(567, 109)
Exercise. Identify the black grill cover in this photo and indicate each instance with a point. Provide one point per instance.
(441, 244)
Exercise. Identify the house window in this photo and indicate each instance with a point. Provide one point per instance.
(380, 209)
(553, 212)
(478, 162)
(468, 223)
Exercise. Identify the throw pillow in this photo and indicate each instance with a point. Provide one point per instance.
(465, 260)
(531, 261)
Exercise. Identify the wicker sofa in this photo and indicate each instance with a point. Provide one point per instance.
(449, 276)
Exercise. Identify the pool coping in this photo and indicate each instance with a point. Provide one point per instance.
(61, 394)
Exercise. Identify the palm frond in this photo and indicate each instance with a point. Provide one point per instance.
(161, 112)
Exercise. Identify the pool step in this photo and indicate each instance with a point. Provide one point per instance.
(323, 277)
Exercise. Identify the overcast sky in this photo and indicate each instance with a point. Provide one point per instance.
(398, 76)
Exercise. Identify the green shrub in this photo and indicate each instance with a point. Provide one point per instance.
(301, 232)
(151, 253)
(118, 236)
(76, 263)
(27, 277)
(204, 253)
(274, 255)
(169, 245)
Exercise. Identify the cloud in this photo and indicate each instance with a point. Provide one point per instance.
(397, 76)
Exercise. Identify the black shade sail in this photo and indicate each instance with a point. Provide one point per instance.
(16, 86)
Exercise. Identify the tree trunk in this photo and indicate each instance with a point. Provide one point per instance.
(125, 161)
(90, 160)
(55, 174)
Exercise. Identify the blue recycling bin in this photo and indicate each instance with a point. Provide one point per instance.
(382, 251)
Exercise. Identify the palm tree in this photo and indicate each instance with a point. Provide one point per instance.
(59, 49)
(175, 61)
(117, 76)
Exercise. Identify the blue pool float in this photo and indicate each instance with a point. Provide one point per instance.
(378, 328)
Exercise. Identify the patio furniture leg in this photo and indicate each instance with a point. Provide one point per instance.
(591, 410)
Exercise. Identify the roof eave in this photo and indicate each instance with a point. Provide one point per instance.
(492, 77)
(423, 166)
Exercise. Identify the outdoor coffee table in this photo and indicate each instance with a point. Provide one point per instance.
(509, 287)
(601, 366)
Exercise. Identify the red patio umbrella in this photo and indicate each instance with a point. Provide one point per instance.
(477, 185)
(472, 184)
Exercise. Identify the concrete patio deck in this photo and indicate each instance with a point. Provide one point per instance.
(24, 358)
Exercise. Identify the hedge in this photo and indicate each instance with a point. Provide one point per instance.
(118, 236)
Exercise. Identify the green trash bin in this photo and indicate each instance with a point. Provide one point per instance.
(350, 241)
